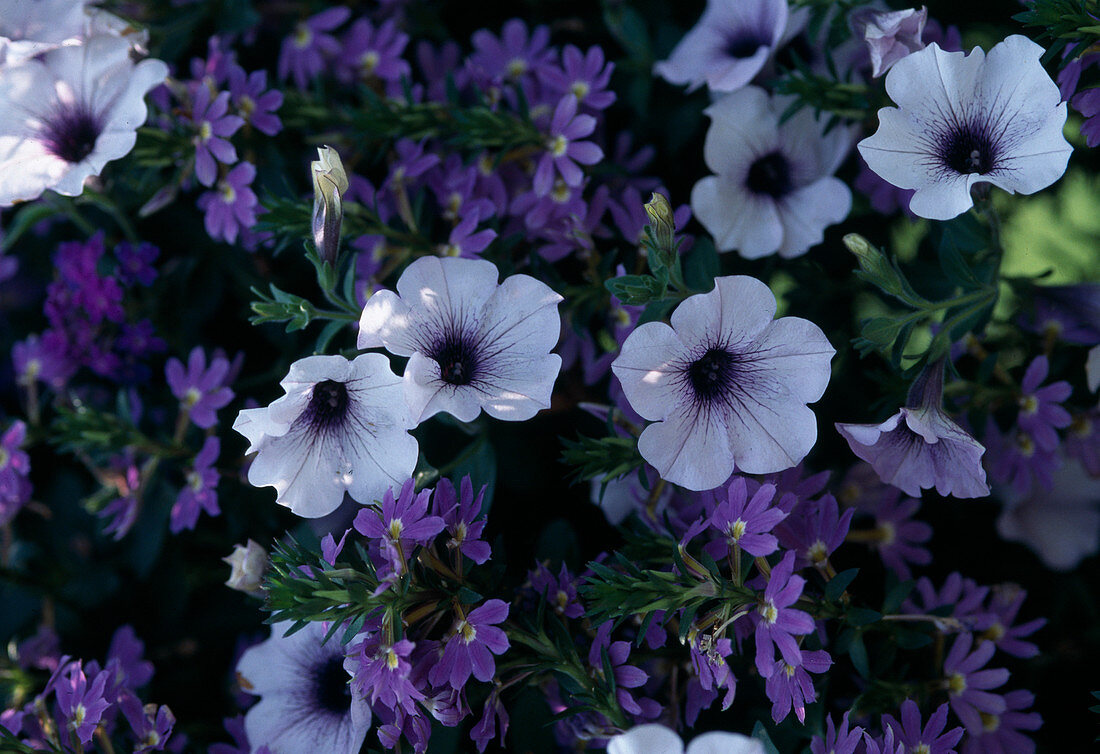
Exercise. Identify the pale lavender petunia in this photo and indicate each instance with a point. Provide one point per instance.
(726, 385)
(657, 739)
(889, 35)
(920, 447)
(964, 120)
(729, 46)
(341, 427)
(473, 344)
(773, 190)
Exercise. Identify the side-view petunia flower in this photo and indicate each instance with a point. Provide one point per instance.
(66, 114)
(889, 35)
(773, 190)
(725, 385)
(920, 447)
(963, 120)
(341, 427)
(472, 344)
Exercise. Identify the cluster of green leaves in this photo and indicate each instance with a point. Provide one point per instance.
(1063, 22)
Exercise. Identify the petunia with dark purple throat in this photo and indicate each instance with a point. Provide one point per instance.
(328, 407)
(770, 175)
(71, 132)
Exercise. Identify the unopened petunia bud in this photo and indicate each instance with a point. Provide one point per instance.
(329, 183)
(661, 218)
(248, 563)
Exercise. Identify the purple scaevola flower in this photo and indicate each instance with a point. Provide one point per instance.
(152, 725)
(997, 625)
(254, 101)
(122, 511)
(200, 389)
(1041, 413)
(729, 46)
(625, 676)
(460, 516)
(838, 739)
(889, 35)
(708, 660)
(564, 148)
(125, 655)
(789, 686)
(135, 263)
(1000, 734)
(494, 716)
(200, 490)
(466, 240)
(439, 65)
(560, 591)
(304, 52)
(920, 446)
(964, 120)
(964, 596)
(931, 737)
(584, 75)
(381, 672)
(777, 622)
(968, 684)
(410, 162)
(81, 704)
(1017, 460)
(214, 125)
(403, 520)
(369, 53)
(743, 522)
(471, 648)
(15, 468)
(232, 205)
(725, 384)
(815, 529)
(43, 358)
(898, 538)
(511, 57)
(885, 744)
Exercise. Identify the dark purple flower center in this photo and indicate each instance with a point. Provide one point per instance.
(328, 406)
(969, 148)
(711, 374)
(770, 175)
(71, 132)
(331, 686)
(457, 357)
(743, 46)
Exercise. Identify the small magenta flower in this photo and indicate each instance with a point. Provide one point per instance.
(232, 205)
(745, 523)
(200, 389)
(460, 515)
(254, 101)
(930, 738)
(304, 52)
(920, 447)
(777, 623)
(214, 125)
(789, 686)
(470, 649)
(200, 492)
(81, 704)
(968, 684)
(1041, 413)
(564, 148)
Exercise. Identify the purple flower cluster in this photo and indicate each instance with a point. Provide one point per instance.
(88, 323)
(15, 469)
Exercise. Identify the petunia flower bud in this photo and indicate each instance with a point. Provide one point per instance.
(248, 563)
(329, 183)
(662, 220)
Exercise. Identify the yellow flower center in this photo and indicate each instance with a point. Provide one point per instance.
(516, 67)
(4, 458)
(392, 659)
(559, 145)
(990, 723)
(818, 552)
(737, 530)
(228, 194)
(994, 632)
(395, 529)
(769, 611)
(1025, 444)
(194, 481)
(1029, 404)
(302, 36)
(580, 90)
(247, 106)
(369, 62)
(205, 131)
(192, 397)
(560, 193)
(1081, 426)
(956, 684)
(467, 632)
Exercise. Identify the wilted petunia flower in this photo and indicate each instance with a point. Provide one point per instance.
(341, 427)
(774, 189)
(890, 35)
(726, 386)
(920, 446)
(730, 45)
(306, 703)
(964, 119)
(66, 114)
(472, 344)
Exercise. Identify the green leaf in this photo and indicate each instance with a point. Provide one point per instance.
(636, 290)
(862, 616)
(857, 651)
(760, 733)
(839, 583)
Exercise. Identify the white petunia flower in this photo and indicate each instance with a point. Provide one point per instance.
(657, 739)
(472, 344)
(774, 190)
(730, 45)
(306, 703)
(726, 385)
(341, 427)
(964, 119)
(31, 27)
(66, 114)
